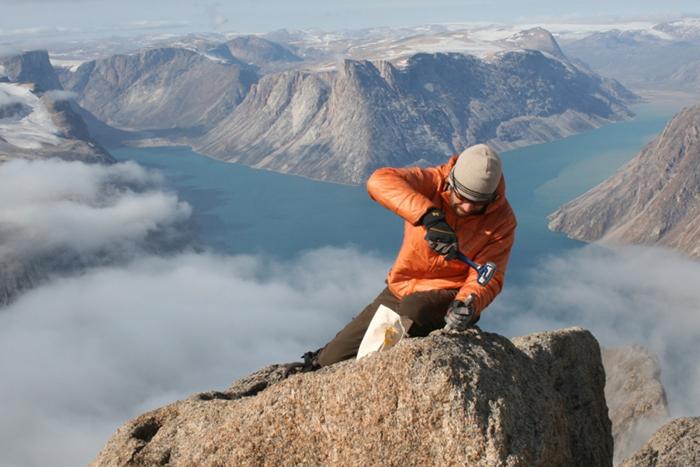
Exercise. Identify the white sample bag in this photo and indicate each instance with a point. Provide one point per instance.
(384, 331)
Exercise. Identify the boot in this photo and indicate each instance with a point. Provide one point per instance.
(310, 363)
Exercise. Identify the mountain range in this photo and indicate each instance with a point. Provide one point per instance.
(165, 88)
(342, 124)
(322, 120)
(665, 56)
(642, 54)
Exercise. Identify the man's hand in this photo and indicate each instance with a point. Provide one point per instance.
(440, 236)
(460, 315)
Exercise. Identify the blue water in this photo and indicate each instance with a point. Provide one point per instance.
(242, 210)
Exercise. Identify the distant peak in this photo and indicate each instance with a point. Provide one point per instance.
(536, 38)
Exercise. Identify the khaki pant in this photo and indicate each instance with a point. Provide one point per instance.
(426, 311)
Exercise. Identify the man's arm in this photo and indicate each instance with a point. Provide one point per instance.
(407, 192)
(497, 251)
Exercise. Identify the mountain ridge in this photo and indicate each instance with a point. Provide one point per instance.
(31, 67)
(340, 125)
(160, 89)
(652, 200)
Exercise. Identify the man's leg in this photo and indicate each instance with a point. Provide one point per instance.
(427, 310)
(346, 343)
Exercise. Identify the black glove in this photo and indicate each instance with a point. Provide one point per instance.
(439, 234)
(460, 315)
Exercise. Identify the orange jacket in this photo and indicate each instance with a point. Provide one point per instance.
(410, 193)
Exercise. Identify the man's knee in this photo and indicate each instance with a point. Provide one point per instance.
(329, 356)
(426, 309)
(417, 308)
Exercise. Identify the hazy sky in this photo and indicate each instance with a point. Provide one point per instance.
(265, 15)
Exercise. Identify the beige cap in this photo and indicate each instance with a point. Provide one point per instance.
(476, 173)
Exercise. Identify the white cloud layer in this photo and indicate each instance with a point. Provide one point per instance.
(630, 295)
(82, 355)
(96, 350)
(50, 205)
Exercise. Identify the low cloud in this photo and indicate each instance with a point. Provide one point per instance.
(46, 205)
(99, 349)
(628, 295)
(57, 216)
(82, 355)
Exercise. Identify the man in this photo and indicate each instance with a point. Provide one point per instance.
(458, 206)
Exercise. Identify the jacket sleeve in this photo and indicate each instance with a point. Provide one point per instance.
(407, 192)
(496, 251)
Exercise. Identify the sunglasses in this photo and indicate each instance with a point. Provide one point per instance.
(463, 199)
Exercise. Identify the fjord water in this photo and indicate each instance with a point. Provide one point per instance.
(239, 210)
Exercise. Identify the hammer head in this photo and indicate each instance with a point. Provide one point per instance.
(486, 273)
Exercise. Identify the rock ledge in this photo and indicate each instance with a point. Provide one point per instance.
(474, 398)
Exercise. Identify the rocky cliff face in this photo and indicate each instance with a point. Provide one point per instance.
(469, 399)
(342, 125)
(635, 396)
(654, 199)
(166, 88)
(30, 67)
(675, 444)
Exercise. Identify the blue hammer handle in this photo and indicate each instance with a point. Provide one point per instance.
(485, 271)
(464, 259)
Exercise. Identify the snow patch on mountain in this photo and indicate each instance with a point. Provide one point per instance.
(70, 64)
(7, 99)
(685, 28)
(209, 56)
(30, 131)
